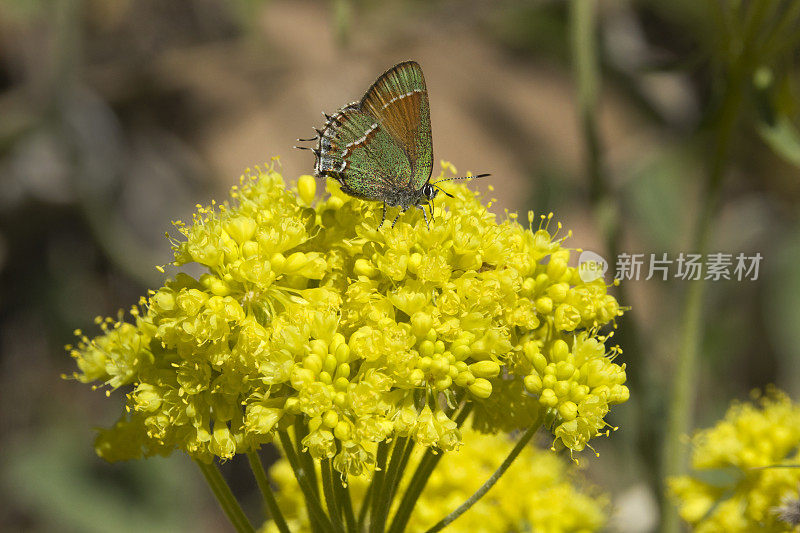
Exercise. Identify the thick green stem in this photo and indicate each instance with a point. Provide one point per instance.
(266, 492)
(225, 497)
(420, 478)
(494, 478)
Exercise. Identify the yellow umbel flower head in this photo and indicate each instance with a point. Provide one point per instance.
(746, 469)
(310, 314)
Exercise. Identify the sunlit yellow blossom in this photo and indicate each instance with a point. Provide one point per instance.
(311, 314)
(746, 450)
(538, 493)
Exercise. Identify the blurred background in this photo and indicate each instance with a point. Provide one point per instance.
(645, 126)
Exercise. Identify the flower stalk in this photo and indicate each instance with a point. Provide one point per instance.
(266, 491)
(495, 477)
(225, 497)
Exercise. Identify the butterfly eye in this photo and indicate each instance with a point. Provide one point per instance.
(429, 191)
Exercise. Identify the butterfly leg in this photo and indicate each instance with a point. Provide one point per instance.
(398, 216)
(383, 216)
(425, 215)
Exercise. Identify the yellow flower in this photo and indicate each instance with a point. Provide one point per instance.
(553, 500)
(747, 449)
(310, 314)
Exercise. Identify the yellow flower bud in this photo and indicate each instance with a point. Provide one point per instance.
(544, 305)
(330, 419)
(485, 369)
(548, 398)
(533, 383)
(313, 363)
(559, 351)
(568, 411)
(482, 388)
(363, 267)
(294, 262)
(464, 379)
(414, 261)
(307, 188)
(342, 431)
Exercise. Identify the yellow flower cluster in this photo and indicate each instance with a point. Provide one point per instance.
(552, 500)
(309, 313)
(740, 483)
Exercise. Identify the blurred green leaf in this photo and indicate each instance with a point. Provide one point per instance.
(657, 195)
(783, 137)
(781, 309)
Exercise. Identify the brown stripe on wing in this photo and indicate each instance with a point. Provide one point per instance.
(399, 100)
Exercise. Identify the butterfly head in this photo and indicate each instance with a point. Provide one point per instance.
(429, 191)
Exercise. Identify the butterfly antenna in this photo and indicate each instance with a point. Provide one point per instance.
(460, 178)
(442, 190)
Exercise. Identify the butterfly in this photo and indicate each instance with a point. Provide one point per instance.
(381, 148)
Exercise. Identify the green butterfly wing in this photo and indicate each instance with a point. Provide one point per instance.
(357, 151)
(399, 101)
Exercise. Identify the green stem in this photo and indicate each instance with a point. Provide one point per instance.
(394, 473)
(420, 478)
(346, 503)
(334, 510)
(362, 512)
(605, 204)
(679, 422)
(300, 432)
(225, 497)
(319, 520)
(266, 491)
(377, 521)
(409, 449)
(586, 71)
(494, 478)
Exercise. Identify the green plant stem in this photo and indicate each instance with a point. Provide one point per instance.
(365, 505)
(606, 206)
(225, 497)
(420, 478)
(679, 422)
(334, 510)
(393, 474)
(586, 72)
(494, 478)
(301, 430)
(319, 520)
(401, 468)
(377, 521)
(346, 503)
(266, 491)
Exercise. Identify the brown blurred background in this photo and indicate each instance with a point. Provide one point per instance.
(118, 116)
